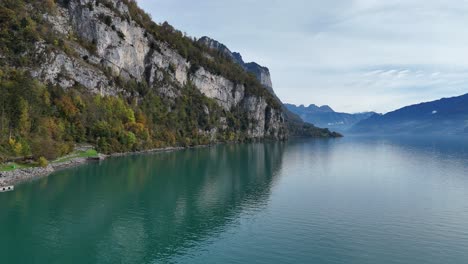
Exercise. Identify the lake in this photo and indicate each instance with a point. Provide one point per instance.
(351, 200)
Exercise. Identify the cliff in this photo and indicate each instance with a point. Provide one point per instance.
(261, 73)
(170, 89)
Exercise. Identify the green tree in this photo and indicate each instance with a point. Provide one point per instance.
(24, 121)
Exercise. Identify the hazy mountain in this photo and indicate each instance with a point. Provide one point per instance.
(325, 116)
(444, 116)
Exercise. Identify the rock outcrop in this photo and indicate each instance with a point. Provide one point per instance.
(262, 73)
(225, 92)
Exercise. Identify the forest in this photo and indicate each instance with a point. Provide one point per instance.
(46, 121)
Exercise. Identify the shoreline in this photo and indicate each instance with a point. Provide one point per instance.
(18, 176)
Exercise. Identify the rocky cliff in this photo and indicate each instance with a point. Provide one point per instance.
(168, 88)
(122, 47)
(261, 73)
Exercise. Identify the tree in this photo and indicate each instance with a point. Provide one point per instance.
(15, 146)
(67, 107)
(42, 162)
(24, 122)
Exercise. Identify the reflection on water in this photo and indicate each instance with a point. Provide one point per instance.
(352, 200)
(136, 209)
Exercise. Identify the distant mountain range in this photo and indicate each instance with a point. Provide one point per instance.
(444, 116)
(325, 116)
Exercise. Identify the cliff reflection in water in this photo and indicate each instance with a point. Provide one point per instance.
(139, 208)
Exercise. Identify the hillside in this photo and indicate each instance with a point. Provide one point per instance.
(104, 73)
(325, 116)
(445, 116)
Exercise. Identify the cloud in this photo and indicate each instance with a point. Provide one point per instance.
(354, 55)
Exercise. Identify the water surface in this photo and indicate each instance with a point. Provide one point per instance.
(351, 200)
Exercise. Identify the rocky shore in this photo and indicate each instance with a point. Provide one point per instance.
(17, 176)
(8, 178)
(151, 151)
(13, 177)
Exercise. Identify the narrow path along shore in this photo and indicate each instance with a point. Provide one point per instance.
(14, 177)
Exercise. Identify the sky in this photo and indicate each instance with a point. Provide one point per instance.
(354, 55)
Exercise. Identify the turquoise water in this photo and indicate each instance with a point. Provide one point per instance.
(351, 200)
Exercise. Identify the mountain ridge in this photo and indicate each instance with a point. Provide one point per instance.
(443, 116)
(325, 116)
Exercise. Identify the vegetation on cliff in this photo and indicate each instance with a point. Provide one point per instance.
(40, 119)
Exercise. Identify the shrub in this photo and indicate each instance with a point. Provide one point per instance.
(108, 20)
(42, 162)
(90, 6)
(121, 34)
(172, 68)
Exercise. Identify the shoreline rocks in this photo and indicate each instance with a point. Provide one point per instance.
(19, 176)
(22, 175)
(147, 151)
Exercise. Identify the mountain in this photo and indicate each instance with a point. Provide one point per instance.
(443, 117)
(296, 126)
(102, 72)
(325, 116)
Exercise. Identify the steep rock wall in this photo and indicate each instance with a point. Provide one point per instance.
(121, 47)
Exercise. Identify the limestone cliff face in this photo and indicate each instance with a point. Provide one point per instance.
(216, 45)
(225, 92)
(121, 47)
(262, 73)
(259, 110)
